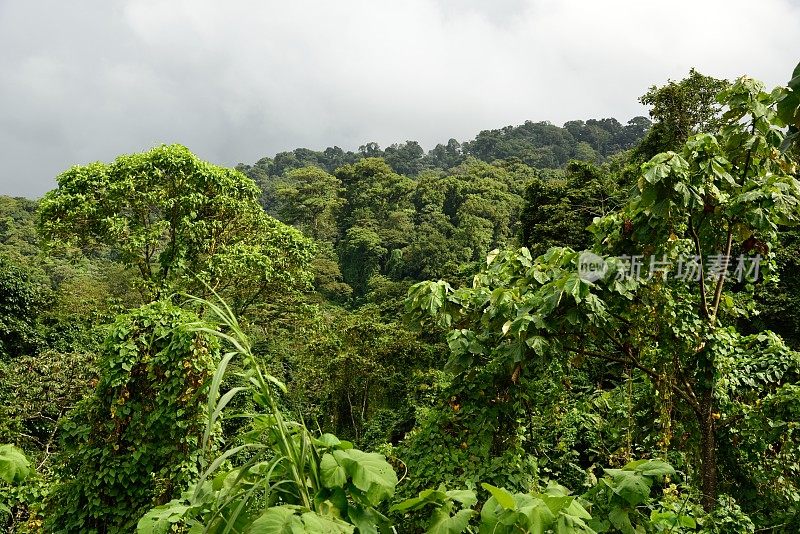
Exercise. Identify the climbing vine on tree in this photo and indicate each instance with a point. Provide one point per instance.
(137, 440)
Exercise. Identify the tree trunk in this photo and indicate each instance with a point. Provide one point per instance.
(708, 452)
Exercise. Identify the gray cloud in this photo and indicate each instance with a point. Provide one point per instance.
(238, 80)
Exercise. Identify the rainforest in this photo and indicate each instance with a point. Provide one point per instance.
(584, 328)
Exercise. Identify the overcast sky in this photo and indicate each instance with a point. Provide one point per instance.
(237, 80)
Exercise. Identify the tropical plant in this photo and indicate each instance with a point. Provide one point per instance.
(621, 501)
(279, 478)
(724, 193)
(14, 466)
(14, 470)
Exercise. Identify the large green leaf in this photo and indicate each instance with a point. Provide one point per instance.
(316, 524)
(630, 485)
(650, 468)
(503, 497)
(621, 520)
(285, 520)
(333, 474)
(14, 467)
(443, 523)
(428, 496)
(465, 497)
(540, 518)
(369, 471)
(368, 520)
(277, 520)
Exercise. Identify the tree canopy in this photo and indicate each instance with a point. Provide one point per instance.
(181, 222)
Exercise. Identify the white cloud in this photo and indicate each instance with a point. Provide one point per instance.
(238, 80)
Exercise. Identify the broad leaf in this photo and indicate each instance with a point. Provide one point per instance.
(333, 474)
(443, 523)
(14, 467)
(277, 520)
(369, 471)
(504, 497)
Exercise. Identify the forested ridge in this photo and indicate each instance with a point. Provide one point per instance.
(394, 340)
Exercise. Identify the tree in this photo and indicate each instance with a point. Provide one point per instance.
(174, 217)
(560, 207)
(585, 152)
(361, 254)
(17, 226)
(370, 150)
(328, 278)
(723, 193)
(373, 190)
(138, 438)
(445, 156)
(405, 158)
(22, 300)
(679, 110)
(310, 200)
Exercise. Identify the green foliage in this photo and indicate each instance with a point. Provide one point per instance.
(18, 237)
(777, 297)
(354, 376)
(36, 392)
(328, 278)
(554, 509)
(544, 145)
(405, 158)
(14, 467)
(620, 502)
(728, 517)
(22, 300)
(551, 376)
(375, 222)
(283, 479)
(455, 443)
(680, 110)
(82, 288)
(559, 209)
(20, 504)
(362, 255)
(398, 214)
(537, 144)
(174, 217)
(720, 190)
(136, 440)
(309, 199)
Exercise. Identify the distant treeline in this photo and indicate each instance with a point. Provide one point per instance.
(537, 144)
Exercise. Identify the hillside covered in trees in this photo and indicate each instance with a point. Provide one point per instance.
(580, 329)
